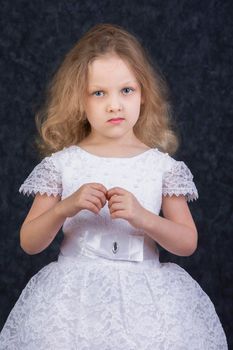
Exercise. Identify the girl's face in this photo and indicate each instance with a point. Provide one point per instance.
(112, 92)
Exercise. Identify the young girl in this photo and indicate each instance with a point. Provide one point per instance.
(107, 137)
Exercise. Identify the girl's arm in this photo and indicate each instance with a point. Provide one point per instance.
(41, 224)
(48, 214)
(176, 232)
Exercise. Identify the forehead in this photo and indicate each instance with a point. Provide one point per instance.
(108, 70)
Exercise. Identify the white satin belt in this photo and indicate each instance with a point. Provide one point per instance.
(112, 246)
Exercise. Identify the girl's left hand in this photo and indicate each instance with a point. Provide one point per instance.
(124, 205)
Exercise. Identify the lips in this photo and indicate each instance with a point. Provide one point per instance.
(115, 119)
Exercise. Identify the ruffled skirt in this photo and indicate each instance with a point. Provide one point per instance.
(84, 303)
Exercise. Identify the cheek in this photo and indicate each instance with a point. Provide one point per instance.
(135, 104)
(91, 109)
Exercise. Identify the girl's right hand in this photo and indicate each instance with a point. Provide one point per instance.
(90, 196)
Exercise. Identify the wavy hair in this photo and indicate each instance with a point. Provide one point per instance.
(61, 121)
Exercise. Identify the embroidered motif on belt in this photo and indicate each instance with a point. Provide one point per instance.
(113, 246)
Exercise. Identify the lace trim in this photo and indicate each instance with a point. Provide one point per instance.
(31, 191)
(189, 196)
(179, 181)
(44, 178)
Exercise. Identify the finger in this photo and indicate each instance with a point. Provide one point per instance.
(115, 207)
(94, 200)
(115, 190)
(99, 187)
(100, 195)
(114, 199)
(89, 205)
(119, 214)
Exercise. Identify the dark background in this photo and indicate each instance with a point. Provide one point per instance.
(191, 41)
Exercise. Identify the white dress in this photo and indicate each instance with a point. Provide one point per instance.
(108, 289)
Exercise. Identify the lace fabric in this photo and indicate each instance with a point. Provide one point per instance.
(45, 178)
(83, 303)
(179, 180)
(92, 302)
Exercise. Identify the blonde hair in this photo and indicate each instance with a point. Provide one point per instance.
(62, 122)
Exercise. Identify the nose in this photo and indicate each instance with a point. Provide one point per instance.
(114, 104)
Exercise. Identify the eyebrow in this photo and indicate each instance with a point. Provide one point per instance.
(127, 82)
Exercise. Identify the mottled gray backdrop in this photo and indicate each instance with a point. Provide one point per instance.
(191, 41)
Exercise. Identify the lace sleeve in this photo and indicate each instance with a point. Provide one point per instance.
(44, 178)
(179, 180)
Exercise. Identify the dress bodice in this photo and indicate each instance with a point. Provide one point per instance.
(147, 176)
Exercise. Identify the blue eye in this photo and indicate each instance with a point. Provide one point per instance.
(129, 89)
(99, 91)
(94, 93)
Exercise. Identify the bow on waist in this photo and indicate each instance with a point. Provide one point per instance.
(113, 246)
(135, 246)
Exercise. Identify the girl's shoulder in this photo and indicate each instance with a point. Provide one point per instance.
(66, 151)
(75, 151)
(46, 176)
(72, 151)
(177, 178)
(64, 155)
(156, 157)
(169, 163)
(166, 161)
